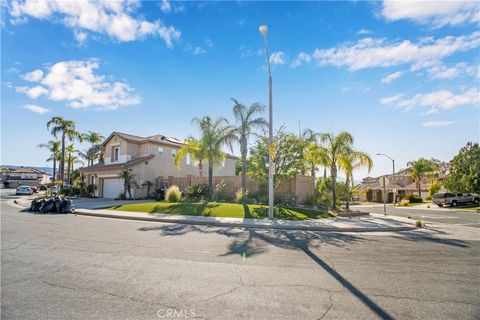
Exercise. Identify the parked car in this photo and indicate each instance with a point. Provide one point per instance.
(22, 190)
(454, 199)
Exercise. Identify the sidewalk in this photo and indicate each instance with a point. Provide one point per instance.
(372, 223)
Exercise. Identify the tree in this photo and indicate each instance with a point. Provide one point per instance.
(94, 138)
(421, 168)
(214, 135)
(66, 129)
(54, 147)
(314, 156)
(128, 180)
(465, 170)
(349, 162)
(335, 147)
(434, 187)
(307, 138)
(72, 159)
(288, 161)
(246, 123)
(197, 151)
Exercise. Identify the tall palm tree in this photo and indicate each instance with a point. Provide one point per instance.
(214, 135)
(314, 156)
(66, 129)
(306, 138)
(128, 180)
(420, 169)
(246, 123)
(351, 161)
(54, 147)
(94, 138)
(72, 159)
(196, 150)
(335, 147)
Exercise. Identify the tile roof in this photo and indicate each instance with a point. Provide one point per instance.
(124, 165)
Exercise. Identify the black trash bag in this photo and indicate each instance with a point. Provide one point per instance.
(58, 205)
(48, 206)
(35, 205)
(68, 206)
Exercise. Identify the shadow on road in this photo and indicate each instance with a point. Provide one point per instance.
(293, 240)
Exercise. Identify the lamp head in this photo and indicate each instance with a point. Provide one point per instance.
(263, 29)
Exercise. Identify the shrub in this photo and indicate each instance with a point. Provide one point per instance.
(419, 223)
(404, 203)
(310, 200)
(434, 188)
(219, 193)
(242, 197)
(413, 198)
(173, 194)
(121, 196)
(64, 192)
(198, 192)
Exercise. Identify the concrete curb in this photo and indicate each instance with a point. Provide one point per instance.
(241, 225)
(92, 213)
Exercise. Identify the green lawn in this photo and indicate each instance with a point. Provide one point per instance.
(216, 209)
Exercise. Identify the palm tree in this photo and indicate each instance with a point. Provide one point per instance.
(214, 134)
(54, 147)
(420, 169)
(334, 148)
(65, 128)
(128, 180)
(351, 161)
(314, 156)
(94, 138)
(72, 159)
(246, 124)
(196, 150)
(306, 138)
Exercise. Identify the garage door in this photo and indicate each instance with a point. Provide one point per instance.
(112, 188)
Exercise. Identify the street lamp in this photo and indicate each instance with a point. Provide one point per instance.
(263, 30)
(394, 182)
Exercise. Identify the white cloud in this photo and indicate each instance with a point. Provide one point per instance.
(435, 101)
(247, 52)
(443, 72)
(277, 58)
(437, 123)
(392, 76)
(198, 50)
(36, 109)
(301, 59)
(113, 18)
(75, 83)
(434, 13)
(371, 53)
(33, 76)
(165, 6)
(364, 31)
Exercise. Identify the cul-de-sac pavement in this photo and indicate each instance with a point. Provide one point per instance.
(80, 267)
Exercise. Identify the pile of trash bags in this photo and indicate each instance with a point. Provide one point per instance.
(52, 205)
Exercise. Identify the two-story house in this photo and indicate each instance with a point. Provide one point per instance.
(148, 159)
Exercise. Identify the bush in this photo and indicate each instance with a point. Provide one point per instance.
(310, 200)
(198, 192)
(121, 196)
(242, 197)
(173, 194)
(413, 198)
(404, 203)
(219, 193)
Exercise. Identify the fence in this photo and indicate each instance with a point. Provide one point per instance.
(299, 186)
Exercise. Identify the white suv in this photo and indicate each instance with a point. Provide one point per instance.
(454, 199)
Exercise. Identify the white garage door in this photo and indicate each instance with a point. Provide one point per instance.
(112, 188)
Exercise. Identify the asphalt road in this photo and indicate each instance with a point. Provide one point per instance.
(442, 215)
(74, 267)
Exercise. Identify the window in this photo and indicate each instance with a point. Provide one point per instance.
(174, 153)
(116, 153)
(189, 159)
(160, 151)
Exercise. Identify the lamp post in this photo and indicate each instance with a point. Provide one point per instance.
(394, 182)
(263, 30)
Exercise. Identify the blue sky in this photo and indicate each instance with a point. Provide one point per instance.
(403, 78)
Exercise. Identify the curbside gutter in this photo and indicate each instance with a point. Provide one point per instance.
(276, 225)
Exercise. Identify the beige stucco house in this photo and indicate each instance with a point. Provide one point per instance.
(149, 159)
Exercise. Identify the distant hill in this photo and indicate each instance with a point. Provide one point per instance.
(48, 170)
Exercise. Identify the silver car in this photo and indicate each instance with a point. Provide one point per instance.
(22, 190)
